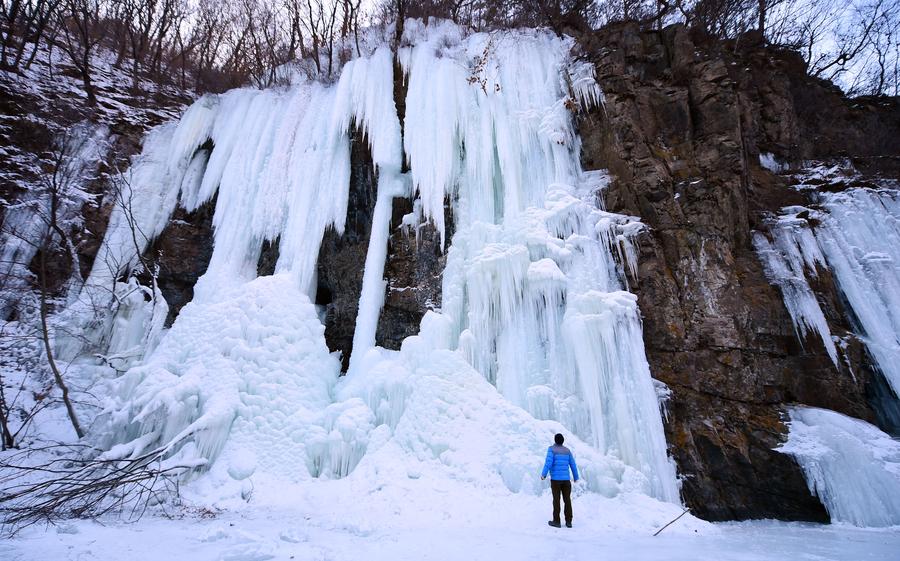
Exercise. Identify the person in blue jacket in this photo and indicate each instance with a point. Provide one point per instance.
(559, 461)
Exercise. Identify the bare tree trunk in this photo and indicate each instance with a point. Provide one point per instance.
(762, 19)
(86, 79)
(6, 437)
(401, 17)
(45, 335)
(11, 16)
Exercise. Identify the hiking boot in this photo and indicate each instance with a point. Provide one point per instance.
(554, 524)
(568, 524)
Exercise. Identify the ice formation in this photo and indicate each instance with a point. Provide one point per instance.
(857, 237)
(852, 466)
(536, 334)
(860, 238)
(26, 223)
(787, 260)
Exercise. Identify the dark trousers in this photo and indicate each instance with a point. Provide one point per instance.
(563, 488)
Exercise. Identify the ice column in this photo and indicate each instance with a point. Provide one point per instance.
(372, 81)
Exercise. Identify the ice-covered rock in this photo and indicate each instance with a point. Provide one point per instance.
(857, 237)
(852, 466)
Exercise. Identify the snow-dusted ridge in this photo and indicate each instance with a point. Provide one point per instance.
(536, 335)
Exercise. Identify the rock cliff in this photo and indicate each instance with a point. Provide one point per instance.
(682, 131)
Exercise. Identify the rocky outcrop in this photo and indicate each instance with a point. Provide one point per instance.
(682, 130)
(413, 269)
(182, 252)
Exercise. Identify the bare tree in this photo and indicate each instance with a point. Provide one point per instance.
(24, 22)
(58, 482)
(63, 190)
(6, 436)
(80, 22)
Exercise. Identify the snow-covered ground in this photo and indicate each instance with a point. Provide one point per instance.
(329, 526)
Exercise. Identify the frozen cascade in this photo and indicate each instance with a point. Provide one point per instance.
(531, 289)
(533, 292)
(849, 464)
(860, 238)
(857, 237)
(787, 260)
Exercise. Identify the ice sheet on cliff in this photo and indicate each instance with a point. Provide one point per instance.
(857, 236)
(852, 466)
(536, 334)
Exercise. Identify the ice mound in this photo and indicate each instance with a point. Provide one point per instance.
(249, 369)
(444, 416)
(849, 464)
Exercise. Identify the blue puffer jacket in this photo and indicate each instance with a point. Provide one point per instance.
(559, 460)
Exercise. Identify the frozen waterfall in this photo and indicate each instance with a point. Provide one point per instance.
(537, 332)
(852, 466)
(857, 237)
(849, 464)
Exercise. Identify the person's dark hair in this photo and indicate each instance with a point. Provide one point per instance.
(559, 439)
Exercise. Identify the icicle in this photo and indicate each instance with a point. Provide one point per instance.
(786, 261)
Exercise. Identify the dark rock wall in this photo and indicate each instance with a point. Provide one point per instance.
(182, 252)
(414, 271)
(342, 257)
(682, 129)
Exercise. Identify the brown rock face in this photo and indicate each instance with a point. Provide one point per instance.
(343, 257)
(413, 269)
(681, 131)
(182, 251)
